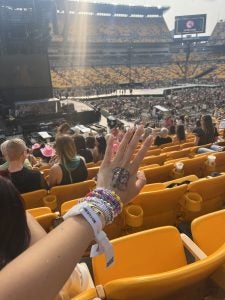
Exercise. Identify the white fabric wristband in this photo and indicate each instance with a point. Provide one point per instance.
(103, 244)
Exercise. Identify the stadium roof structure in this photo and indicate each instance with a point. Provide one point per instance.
(112, 9)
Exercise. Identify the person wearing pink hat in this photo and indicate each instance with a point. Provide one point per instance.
(48, 151)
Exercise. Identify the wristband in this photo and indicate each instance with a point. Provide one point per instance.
(103, 244)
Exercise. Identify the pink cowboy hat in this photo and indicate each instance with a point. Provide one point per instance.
(36, 146)
(48, 151)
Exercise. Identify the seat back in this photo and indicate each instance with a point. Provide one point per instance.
(187, 145)
(160, 207)
(179, 154)
(220, 161)
(35, 212)
(67, 205)
(72, 191)
(212, 191)
(135, 255)
(208, 231)
(157, 159)
(46, 220)
(159, 174)
(152, 265)
(34, 199)
(195, 166)
(171, 148)
(153, 152)
(92, 172)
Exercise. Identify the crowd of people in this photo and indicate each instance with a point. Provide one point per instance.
(189, 102)
(68, 158)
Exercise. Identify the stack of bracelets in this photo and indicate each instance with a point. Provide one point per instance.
(104, 203)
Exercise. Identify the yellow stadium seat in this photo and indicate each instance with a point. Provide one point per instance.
(92, 172)
(159, 174)
(67, 205)
(171, 148)
(35, 212)
(34, 199)
(160, 207)
(46, 220)
(209, 234)
(72, 191)
(194, 166)
(187, 145)
(163, 185)
(152, 265)
(153, 152)
(158, 159)
(208, 231)
(212, 192)
(179, 153)
(90, 165)
(220, 161)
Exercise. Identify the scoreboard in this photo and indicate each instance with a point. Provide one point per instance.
(190, 24)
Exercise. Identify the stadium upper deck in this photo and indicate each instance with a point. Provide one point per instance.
(106, 23)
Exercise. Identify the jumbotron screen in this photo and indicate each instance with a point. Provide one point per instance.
(190, 24)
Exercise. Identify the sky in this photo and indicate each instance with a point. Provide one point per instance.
(215, 9)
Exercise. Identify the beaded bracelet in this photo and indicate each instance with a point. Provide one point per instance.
(103, 206)
(110, 197)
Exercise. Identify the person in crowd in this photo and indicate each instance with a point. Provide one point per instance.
(172, 130)
(101, 144)
(210, 135)
(180, 134)
(70, 167)
(80, 144)
(24, 179)
(4, 165)
(199, 132)
(19, 230)
(64, 129)
(91, 145)
(47, 256)
(163, 138)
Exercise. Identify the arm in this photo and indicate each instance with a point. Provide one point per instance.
(55, 175)
(42, 270)
(36, 231)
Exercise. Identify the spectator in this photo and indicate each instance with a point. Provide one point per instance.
(81, 148)
(91, 145)
(64, 129)
(163, 138)
(210, 136)
(24, 179)
(199, 132)
(101, 144)
(180, 134)
(70, 167)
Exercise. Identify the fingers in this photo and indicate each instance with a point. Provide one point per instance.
(123, 145)
(132, 145)
(141, 154)
(140, 182)
(108, 152)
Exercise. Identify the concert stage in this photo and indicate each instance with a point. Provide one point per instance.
(159, 92)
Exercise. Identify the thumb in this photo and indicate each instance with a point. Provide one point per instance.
(140, 182)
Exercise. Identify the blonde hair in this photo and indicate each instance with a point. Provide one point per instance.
(14, 148)
(65, 148)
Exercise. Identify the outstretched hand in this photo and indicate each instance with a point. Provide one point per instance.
(120, 174)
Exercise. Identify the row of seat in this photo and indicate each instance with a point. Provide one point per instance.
(152, 264)
(157, 205)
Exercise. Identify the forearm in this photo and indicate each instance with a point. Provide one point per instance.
(42, 270)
